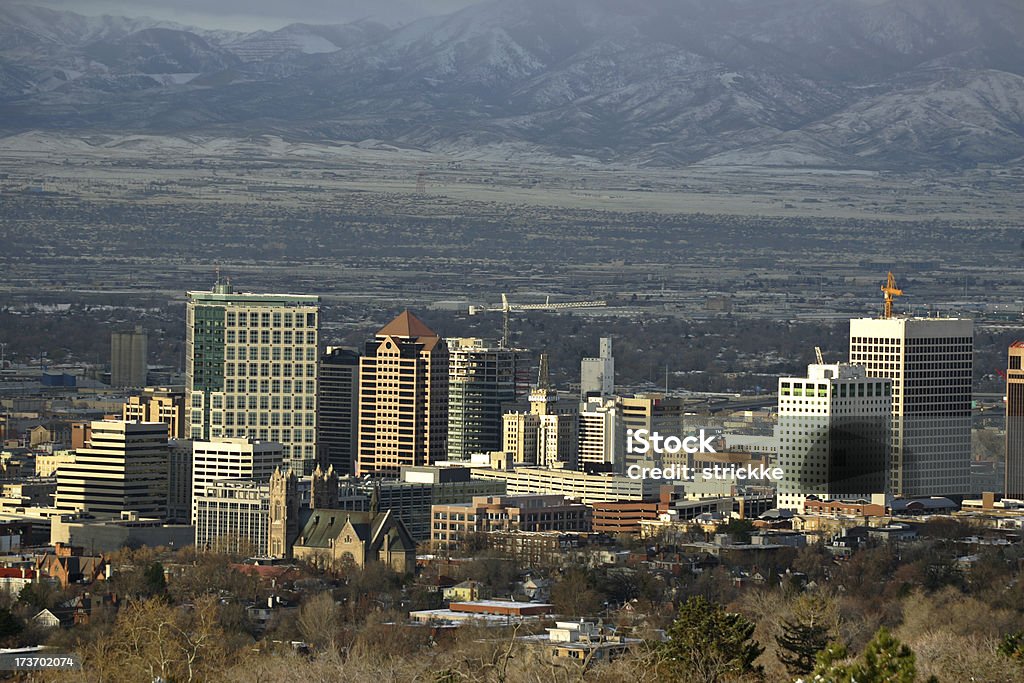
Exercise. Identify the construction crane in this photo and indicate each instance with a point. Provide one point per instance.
(506, 309)
(817, 355)
(891, 291)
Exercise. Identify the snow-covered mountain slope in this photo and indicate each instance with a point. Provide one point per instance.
(896, 84)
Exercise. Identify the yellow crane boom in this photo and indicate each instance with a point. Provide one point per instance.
(891, 291)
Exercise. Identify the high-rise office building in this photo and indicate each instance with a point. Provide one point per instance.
(601, 442)
(547, 434)
(237, 458)
(930, 363)
(123, 468)
(129, 358)
(655, 413)
(519, 436)
(834, 435)
(482, 381)
(1014, 487)
(158, 404)
(179, 480)
(403, 398)
(597, 375)
(338, 398)
(251, 369)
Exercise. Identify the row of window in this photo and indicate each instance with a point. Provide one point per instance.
(231, 419)
(269, 337)
(268, 318)
(269, 369)
(270, 353)
(264, 402)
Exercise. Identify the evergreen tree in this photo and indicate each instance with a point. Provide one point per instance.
(1013, 647)
(10, 625)
(886, 660)
(707, 644)
(156, 582)
(808, 632)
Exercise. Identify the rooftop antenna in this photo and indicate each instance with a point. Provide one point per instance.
(543, 375)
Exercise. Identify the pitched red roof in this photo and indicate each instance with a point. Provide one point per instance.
(406, 325)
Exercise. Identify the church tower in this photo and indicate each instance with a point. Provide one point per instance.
(284, 513)
(324, 489)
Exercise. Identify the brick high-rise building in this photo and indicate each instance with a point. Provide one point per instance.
(1014, 487)
(159, 404)
(403, 398)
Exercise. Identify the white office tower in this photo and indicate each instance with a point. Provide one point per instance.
(597, 375)
(929, 361)
(237, 458)
(123, 468)
(601, 439)
(834, 435)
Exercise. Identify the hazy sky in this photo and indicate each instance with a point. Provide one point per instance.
(247, 15)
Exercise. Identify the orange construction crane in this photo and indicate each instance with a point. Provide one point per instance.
(891, 291)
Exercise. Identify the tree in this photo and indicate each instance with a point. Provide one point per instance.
(707, 644)
(1012, 646)
(319, 620)
(576, 594)
(806, 633)
(10, 625)
(156, 582)
(886, 660)
(739, 529)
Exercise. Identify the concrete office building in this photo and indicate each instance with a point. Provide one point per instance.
(338, 398)
(930, 362)
(653, 412)
(124, 468)
(158, 404)
(482, 381)
(582, 486)
(233, 516)
(834, 435)
(1014, 487)
(597, 375)
(129, 358)
(251, 369)
(601, 442)
(547, 435)
(403, 398)
(238, 458)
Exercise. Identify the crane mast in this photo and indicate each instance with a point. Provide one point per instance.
(891, 291)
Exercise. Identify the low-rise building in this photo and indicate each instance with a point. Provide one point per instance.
(484, 613)
(584, 641)
(455, 523)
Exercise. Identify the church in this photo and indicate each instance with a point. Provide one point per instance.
(330, 538)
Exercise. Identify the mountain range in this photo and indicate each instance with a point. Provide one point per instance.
(873, 84)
